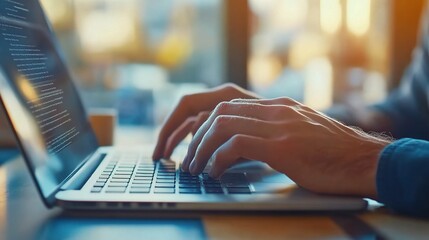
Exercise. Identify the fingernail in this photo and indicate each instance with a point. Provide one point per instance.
(193, 166)
(164, 154)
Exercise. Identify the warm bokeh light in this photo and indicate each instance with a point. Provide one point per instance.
(263, 70)
(288, 14)
(306, 47)
(358, 16)
(174, 50)
(330, 15)
(319, 79)
(27, 89)
(59, 12)
(104, 31)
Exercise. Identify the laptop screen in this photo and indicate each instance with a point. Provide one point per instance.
(40, 97)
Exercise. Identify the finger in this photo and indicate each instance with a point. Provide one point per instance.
(238, 147)
(256, 111)
(191, 105)
(201, 118)
(224, 128)
(177, 136)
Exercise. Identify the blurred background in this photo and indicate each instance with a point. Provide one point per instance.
(140, 56)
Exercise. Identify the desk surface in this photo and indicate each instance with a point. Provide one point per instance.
(23, 216)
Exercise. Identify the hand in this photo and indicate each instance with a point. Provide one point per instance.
(191, 112)
(317, 152)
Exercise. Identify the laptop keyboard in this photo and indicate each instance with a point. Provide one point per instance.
(128, 175)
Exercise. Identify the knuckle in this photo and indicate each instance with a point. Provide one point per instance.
(282, 112)
(236, 141)
(237, 100)
(229, 87)
(202, 116)
(217, 158)
(287, 101)
(290, 102)
(222, 107)
(220, 122)
(185, 100)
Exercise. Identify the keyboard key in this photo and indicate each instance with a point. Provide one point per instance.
(142, 178)
(211, 181)
(165, 181)
(214, 190)
(164, 185)
(181, 185)
(172, 169)
(145, 171)
(165, 177)
(213, 185)
(99, 184)
(129, 165)
(119, 180)
(190, 179)
(167, 163)
(234, 178)
(116, 190)
(164, 190)
(144, 175)
(125, 168)
(206, 177)
(190, 191)
(146, 164)
(101, 181)
(142, 181)
(236, 185)
(117, 185)
(240, 190)
(122, 174)
(139, 190)
(189, 182)
(96, 189)
(121, 177)
(166, 174)
(141, 185)
(149, 170)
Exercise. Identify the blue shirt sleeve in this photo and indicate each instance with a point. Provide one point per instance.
(403, 177)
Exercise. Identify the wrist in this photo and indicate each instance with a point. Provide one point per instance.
(368, 159)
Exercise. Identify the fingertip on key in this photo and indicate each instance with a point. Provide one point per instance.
(193, 167)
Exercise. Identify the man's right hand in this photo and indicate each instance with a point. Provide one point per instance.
(191, 112)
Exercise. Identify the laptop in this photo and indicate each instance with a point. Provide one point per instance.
(71, 171)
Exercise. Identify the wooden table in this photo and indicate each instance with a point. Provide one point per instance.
(23, 216)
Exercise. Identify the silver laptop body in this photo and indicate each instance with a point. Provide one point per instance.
(71, 171)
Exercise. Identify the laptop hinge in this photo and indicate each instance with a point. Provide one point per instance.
(79, 179)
